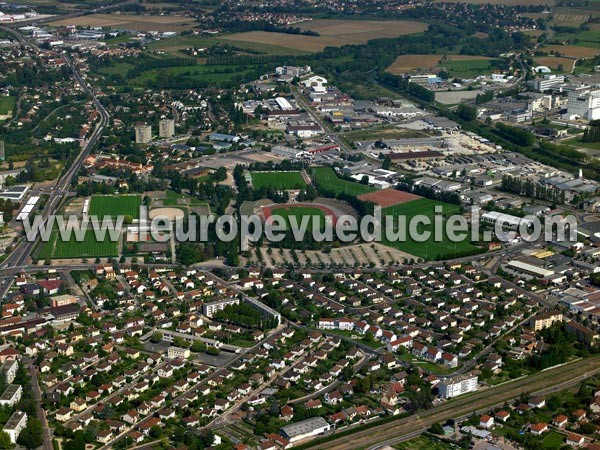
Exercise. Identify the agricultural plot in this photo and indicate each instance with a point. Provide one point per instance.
(89, 247)
(327, 179)
(333, 33)
(278, 180)
(115, 205)
(558, 63)
(431, 248)
(130, 22)
(571, 51)
(458, 63)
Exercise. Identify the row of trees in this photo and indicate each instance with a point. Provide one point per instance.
(592, 133)
(532, 189)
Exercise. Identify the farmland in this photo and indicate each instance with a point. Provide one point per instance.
(555, 62)
(333, 33)
(432, 248)
(572, 51)
(327, 179)
(113, 206)
(278, 180)
(458, 63)
(130, 21)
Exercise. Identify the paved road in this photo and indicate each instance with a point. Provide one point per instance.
(541, 383)
(23, 249)
(37, 394)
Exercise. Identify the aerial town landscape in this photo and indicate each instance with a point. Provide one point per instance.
(229, 121)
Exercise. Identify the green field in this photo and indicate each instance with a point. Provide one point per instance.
(430, 249)
(278, 180)
(421, 443)
(553, 440)
(327, 179)
(88, 248)
(200, 73)
(115, 205)
(299, 212)
(469, 68)
(173, 199)
(577, 142)
(7, 104)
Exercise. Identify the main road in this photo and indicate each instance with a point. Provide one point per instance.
(23, 249)
(541, 383)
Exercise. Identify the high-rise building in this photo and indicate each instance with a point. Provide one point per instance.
(2, 154)
(166, 128)
(583, 103)
(143, 134)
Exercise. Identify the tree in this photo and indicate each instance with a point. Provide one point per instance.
(466, 112)
(31, 437)
(436, 428)
(198, 346)
(156, 432)
(156, 337)
(5, 440)
(387, 162)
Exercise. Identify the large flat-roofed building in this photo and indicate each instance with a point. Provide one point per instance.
(9, 368)
(305, 429)
(16, 424)
(548, 82)
(453, 387)
(178, 352)
(211, 308)
(507, 220)
(583, 333)
(12, 395)
(545, 320)
(166, 128)
(583, 103)
(143, 134)
(15, 193)
(265, 310)
(527, 268)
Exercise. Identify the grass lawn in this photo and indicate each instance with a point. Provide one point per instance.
(577, 142)
(88, 248)
(326, 178)
(117, 69)
(115, 205)
(173, 197)
(299, 212)
(278, 180)
(431, 248)
(553, 440)
(7, 104)
(200, 73)
(421, 443)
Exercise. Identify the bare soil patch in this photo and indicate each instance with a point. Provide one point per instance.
(388, 197)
